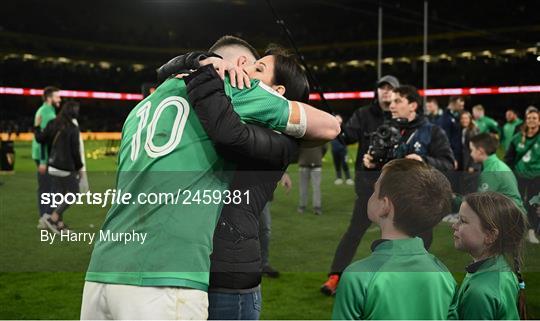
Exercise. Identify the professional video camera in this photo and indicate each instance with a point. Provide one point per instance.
(384, 142)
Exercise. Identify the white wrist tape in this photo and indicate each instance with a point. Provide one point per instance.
(297, 124)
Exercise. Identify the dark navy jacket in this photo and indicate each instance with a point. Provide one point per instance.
(450, 124)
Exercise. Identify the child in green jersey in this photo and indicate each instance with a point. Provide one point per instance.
(400, 279)
(496, 176)
(491, 228)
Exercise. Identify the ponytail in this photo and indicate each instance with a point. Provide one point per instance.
(498, 212)
(521, 300)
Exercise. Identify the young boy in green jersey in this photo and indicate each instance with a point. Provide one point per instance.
(496, 176)
(492, 230)
(400, 279)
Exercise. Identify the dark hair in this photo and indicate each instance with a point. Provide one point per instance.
(289, 73)
(420, 194)
(487, 142)
(432, 100)
(453, 99)
(412, 95)
(68, 112)
(48, 92)
(498, 212)
(229, 40)
(512, 110)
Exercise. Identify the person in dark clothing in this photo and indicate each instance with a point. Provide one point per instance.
(261, 157)
(363, 122)
(433, 112)
(450, 125)
(470, 167)
(421, 141)
(61, 136)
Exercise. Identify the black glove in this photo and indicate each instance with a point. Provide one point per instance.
(182, 64)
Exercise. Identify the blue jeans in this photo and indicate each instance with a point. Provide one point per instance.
(340, 162)
(230, 306)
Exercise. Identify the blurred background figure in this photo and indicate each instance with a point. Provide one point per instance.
(484, 123)
(61, 137)
(470, 168)
(310, 164)
(339, 154)
(510, 128)
(45, 113)
(523, 156)
(450, 124)
(433, 112)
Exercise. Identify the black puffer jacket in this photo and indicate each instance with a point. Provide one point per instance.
(262, 156)
(62, 140)
(364, 121)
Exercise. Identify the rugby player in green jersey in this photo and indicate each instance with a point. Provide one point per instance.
(496, 176)
(45, 113)
(164, 148)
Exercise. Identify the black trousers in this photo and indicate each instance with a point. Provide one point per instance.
(360, 223)
(44, 183)
(64, 185)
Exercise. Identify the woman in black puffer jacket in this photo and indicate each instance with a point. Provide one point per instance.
(61, 136)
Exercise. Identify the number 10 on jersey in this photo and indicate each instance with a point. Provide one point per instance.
(153, 151)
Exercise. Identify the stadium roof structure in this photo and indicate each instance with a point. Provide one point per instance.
(144, 30)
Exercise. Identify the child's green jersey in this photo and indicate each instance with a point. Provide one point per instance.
(497, 177)
(489, 291)
(165, 149)
(399, 280)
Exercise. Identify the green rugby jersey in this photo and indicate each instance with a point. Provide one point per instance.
(489, 291)
(508, 132)
(47, 113)
(165, 148)
(399, 280)
(487, 124)
(527, 159)
(496, 176)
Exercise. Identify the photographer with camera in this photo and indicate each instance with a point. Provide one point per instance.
(408, 134)
(420, 140)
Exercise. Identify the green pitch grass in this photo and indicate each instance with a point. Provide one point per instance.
(41, 281)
